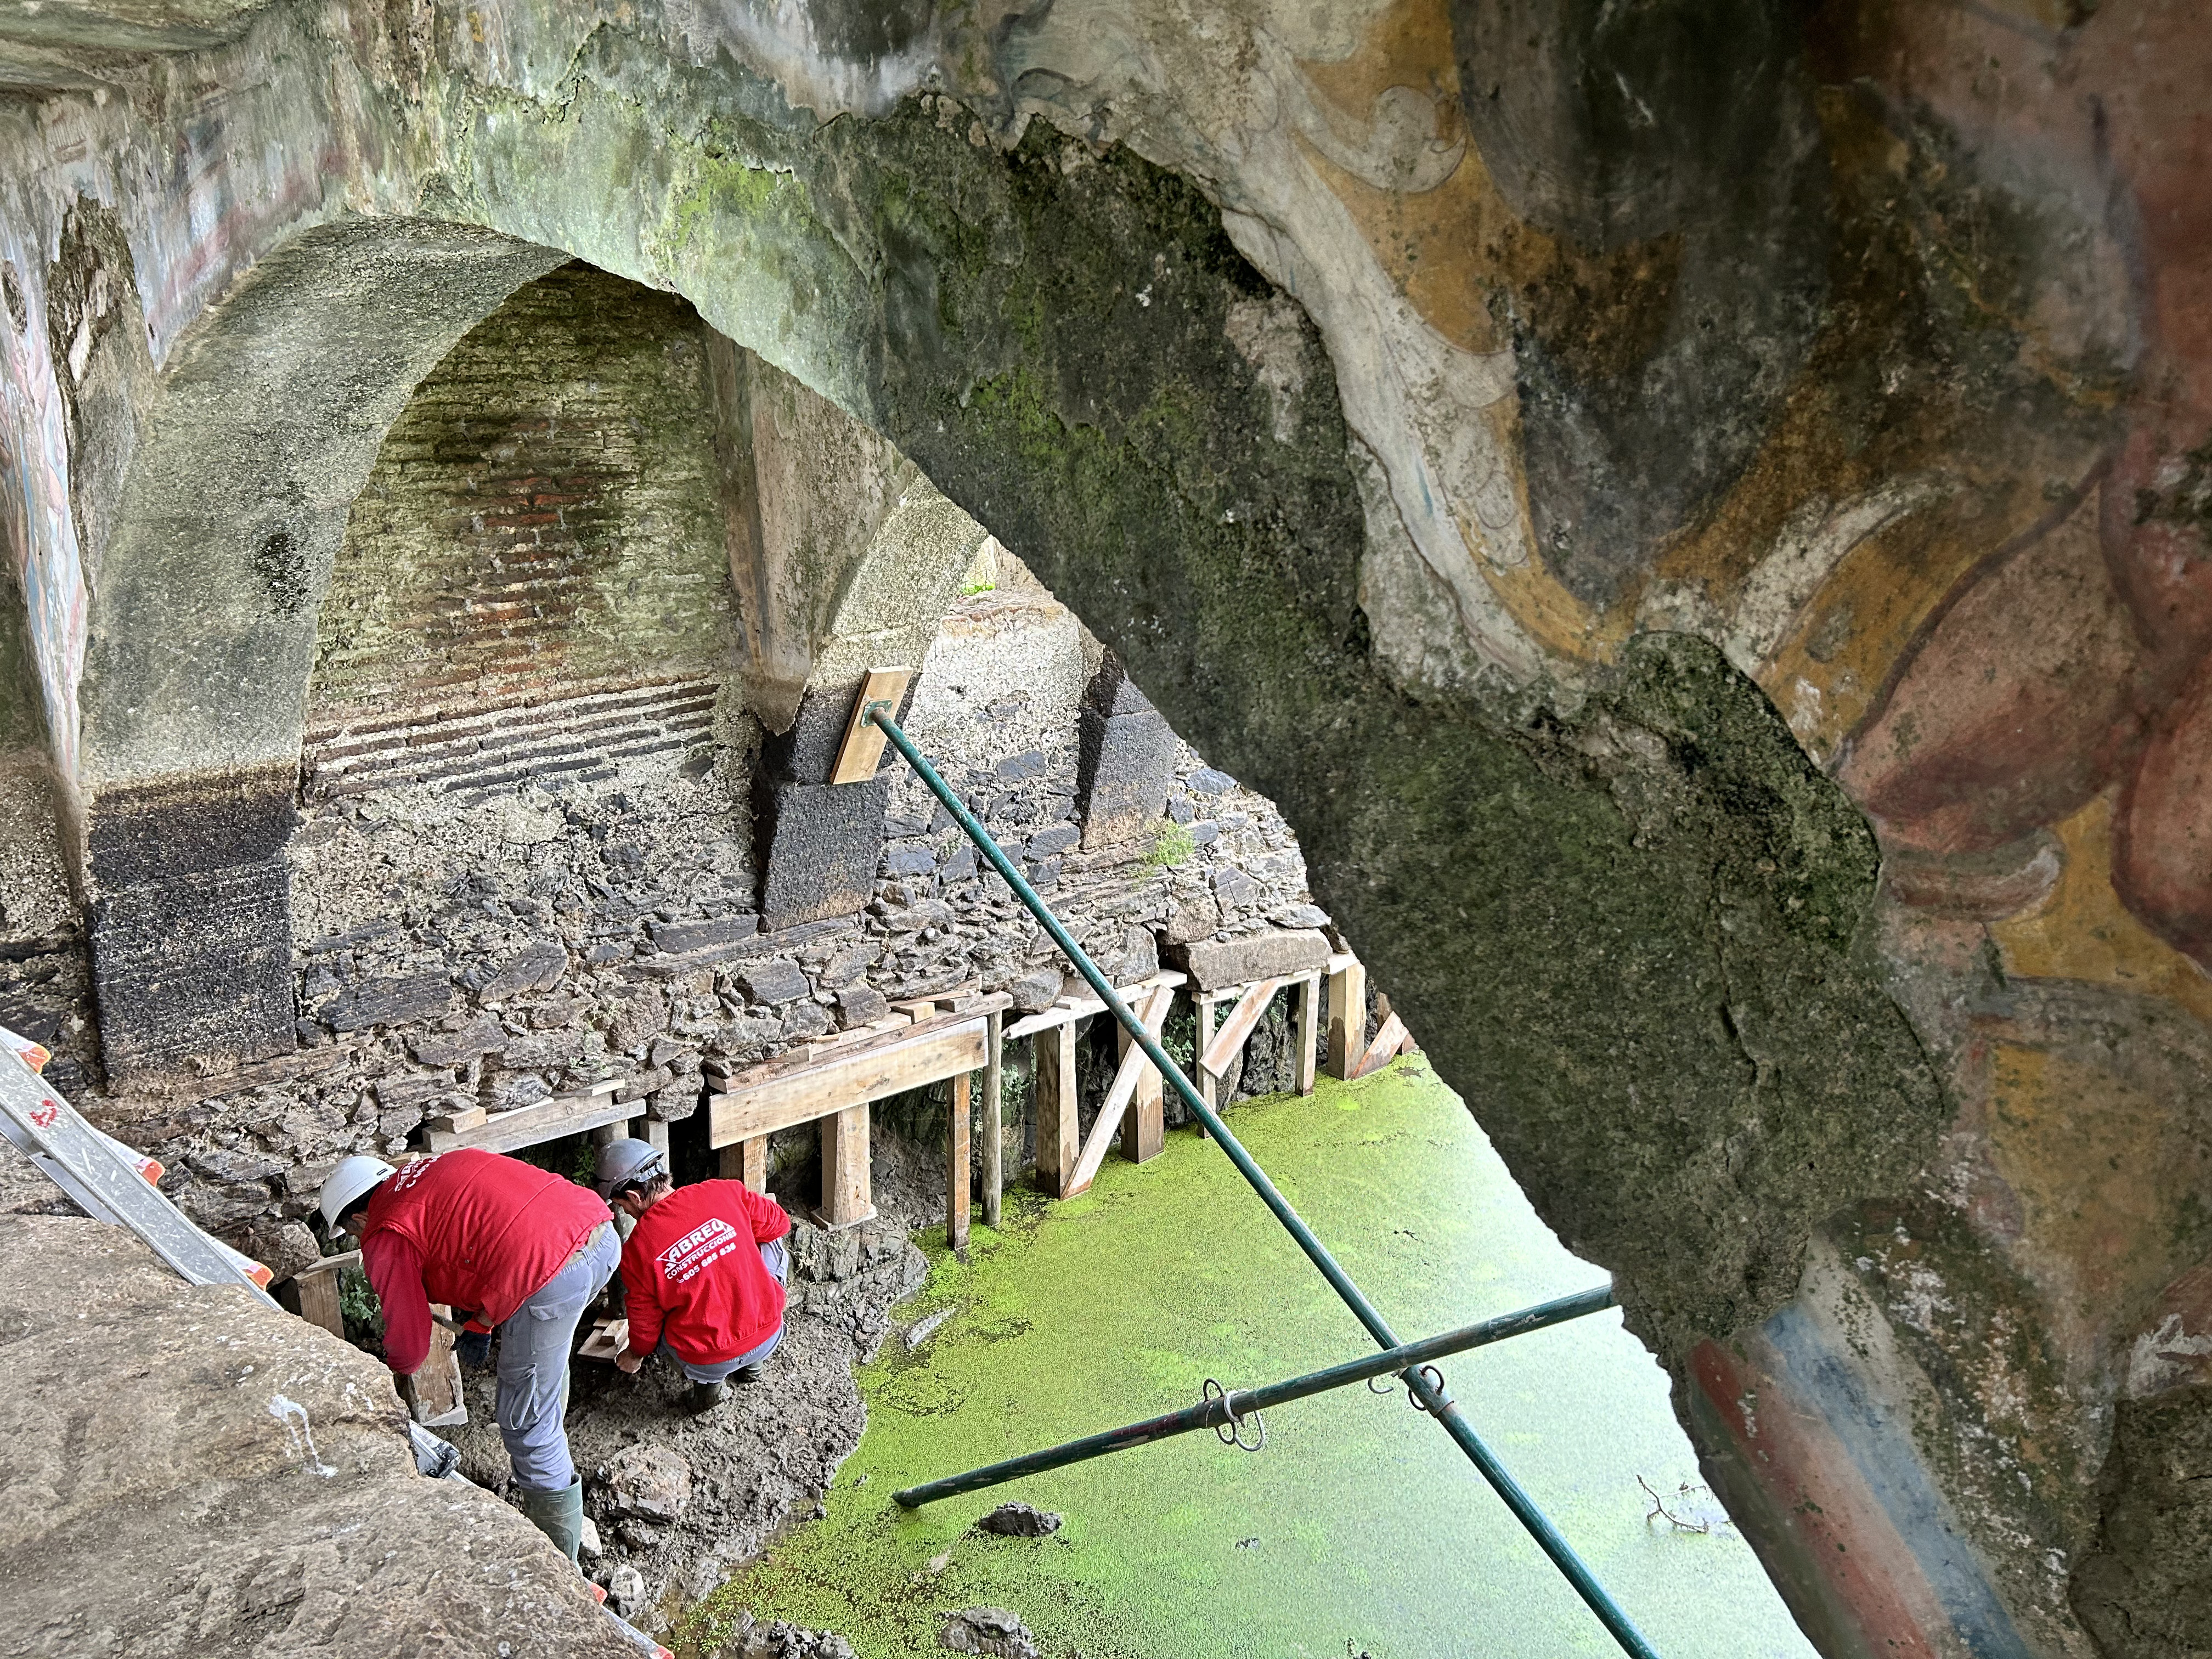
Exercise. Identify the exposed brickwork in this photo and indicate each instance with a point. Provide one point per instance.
(543, 513)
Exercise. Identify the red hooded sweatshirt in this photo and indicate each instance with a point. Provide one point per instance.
(692, 1272)
(480, 1232)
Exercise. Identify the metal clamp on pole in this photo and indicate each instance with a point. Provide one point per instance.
(872, 710)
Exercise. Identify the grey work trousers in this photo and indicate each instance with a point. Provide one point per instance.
(777, 1260)
(534, 1345)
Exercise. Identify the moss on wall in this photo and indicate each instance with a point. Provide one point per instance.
(1625, 924)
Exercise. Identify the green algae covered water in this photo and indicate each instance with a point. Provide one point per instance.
(1359, 1530)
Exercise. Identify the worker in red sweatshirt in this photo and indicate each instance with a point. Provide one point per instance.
(702, 1273)
(510, 1246)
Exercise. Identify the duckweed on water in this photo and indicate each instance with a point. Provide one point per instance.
(1359, 1527)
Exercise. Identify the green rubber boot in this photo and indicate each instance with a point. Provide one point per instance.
(559, 1515)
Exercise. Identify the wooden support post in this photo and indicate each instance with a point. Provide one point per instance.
(1347, 1016)
(607, 1133)
(1207, 1085)
(434, 1393)
(994, 1132)
(747, 1161)
(656, 1134)
(314, 1297)
(1305, 1027)
(846, 1197)
(1056, 1144)
(956, 1165)
(1143, 1131)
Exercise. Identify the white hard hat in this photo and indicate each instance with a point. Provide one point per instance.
(343, 1187)
(626, 1160)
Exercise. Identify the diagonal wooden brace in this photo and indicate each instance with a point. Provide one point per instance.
(1134, 1066)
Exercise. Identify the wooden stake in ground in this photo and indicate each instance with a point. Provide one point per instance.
(845, 1200)
(994, 1131)
(956, 1165)
(1055, 1089)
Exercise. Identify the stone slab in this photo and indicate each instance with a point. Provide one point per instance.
(1215, 965)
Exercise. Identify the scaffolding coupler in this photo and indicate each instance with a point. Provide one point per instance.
(878, 706)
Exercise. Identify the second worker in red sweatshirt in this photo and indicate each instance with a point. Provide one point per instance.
(703, 1270)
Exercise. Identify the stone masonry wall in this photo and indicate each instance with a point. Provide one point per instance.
(527, 862)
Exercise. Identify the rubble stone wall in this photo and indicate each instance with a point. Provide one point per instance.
(526, 862)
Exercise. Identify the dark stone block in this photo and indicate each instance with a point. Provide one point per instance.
(191, 922)
(1125, 762)
(1207, 782)
(1050, 843)
(807, 752)
(1212, 967)
(1111, 691)
(910, 861)
(1030, 763)
(1204, 831)
(806, 1019)
(777, 980)
(481, 1036)
(962, 865)
(848, 965)
(820, 849)
(675, 937)
(675, 1103)
(537, 966)
(1044, 875)
(1233, 886)
(410, 1088)
(861, 1004)
(399, 1001)
(1033, 992)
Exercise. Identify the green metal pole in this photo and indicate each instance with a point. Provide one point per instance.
(1434, 1398)
(1223, 1410)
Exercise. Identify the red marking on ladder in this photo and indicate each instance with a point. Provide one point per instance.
(46, 1117)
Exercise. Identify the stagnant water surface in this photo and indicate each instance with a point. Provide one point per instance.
(1359, 1528)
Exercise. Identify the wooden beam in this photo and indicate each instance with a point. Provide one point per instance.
(1384, 1048)
(994, 1131)
(1119, 1097)
(862, 751)
(1143, 1131)
(433, 1393)
(1069, 1009)
(656, 1135)
(314, 1297)
(1208, 1086)
(846, 1197)
(1305, 1028)
(1347, 1015)
(1238, 1027)
(563, 1114)
(746, 1161)
(459, 1122)
(956, 1163)
(1055, 1109)
(774, 1098)
(331, 1264)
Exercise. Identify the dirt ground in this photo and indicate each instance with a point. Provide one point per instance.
(757, 1462)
